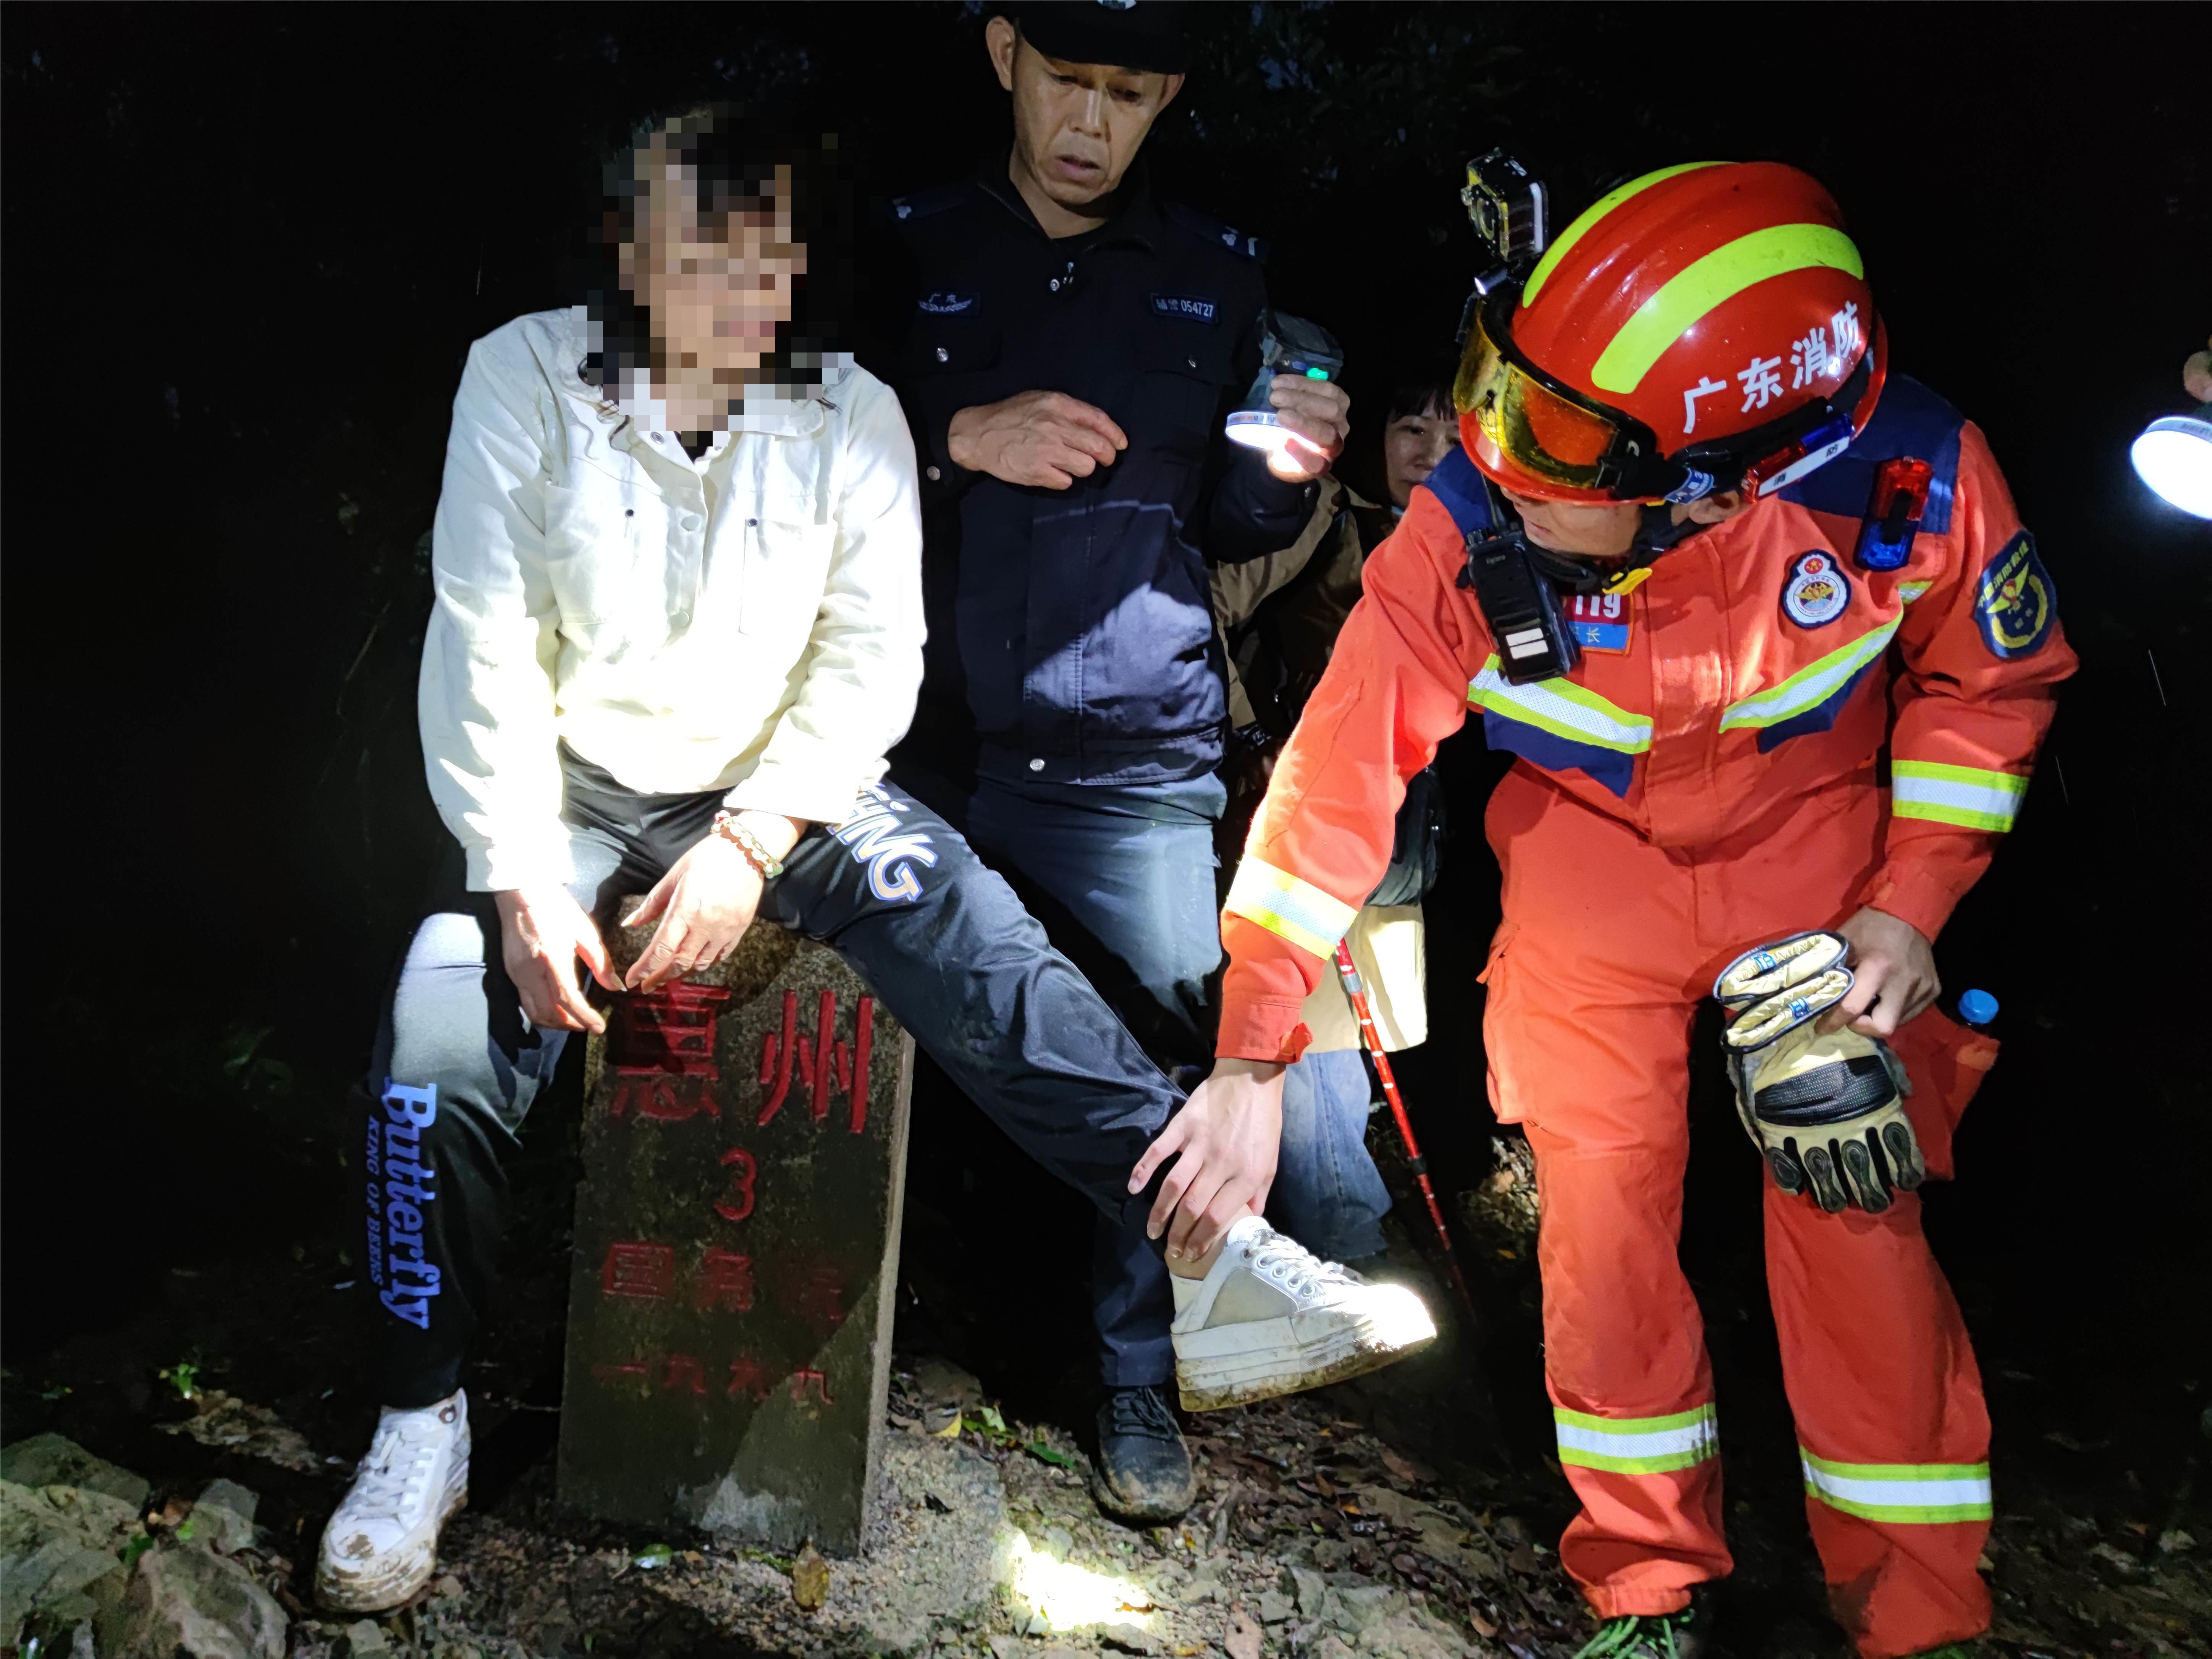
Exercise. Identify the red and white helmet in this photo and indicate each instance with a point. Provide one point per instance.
(1703, 327)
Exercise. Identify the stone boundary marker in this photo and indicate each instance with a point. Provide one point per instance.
(737, 1248)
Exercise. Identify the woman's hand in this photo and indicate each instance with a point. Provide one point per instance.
(1225, 1143)
(704, 904)
(541, 932)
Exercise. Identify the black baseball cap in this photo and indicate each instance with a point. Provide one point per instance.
(1146, 35)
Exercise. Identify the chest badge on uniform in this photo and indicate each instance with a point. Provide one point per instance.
(944, 303)
(1602, 621)
(1190, 307)
(1816, 592)
(2015, 602)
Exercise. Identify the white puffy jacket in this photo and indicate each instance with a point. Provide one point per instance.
(752, 624)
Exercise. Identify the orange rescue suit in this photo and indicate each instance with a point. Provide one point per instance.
(1705, 780)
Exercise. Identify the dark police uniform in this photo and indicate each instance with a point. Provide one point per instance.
(1070, 639)
(1072, 710)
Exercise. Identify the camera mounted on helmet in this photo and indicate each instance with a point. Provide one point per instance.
(1508, 205)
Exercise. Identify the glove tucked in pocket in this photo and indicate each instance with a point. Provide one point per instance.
(1826, 1111)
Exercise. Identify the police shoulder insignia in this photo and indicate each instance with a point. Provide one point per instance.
(924, 202)
(1212, 230)
(2015, 602)
(1816, 590)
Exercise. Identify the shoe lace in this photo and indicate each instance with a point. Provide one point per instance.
(1290, 1265)
(1143, 1412)
(394, 1474)
(1634, 1635)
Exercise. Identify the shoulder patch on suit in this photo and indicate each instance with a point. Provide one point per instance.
(1212, 230)
(2015, 602)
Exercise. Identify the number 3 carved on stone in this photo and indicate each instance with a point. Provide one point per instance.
(737, 1204)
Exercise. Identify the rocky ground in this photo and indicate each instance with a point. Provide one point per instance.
(1314, 1535)
(167, 1475)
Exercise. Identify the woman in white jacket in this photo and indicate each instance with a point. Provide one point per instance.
(678, 624)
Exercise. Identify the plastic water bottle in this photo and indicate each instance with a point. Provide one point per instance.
(1977, 1008)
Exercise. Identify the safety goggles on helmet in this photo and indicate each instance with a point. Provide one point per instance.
(1555, 434)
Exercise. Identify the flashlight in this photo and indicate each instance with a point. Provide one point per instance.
(1288, 345)
(2173, 456)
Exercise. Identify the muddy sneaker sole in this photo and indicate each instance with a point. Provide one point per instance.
(361, 1594)
(1237, 1365)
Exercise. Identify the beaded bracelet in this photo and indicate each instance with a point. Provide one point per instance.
(750, 844)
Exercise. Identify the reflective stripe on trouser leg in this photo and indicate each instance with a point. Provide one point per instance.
(1636, 1445)
(1891, 1426)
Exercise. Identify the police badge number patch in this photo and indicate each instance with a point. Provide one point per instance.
(1816, 592)
(2015, 602)
(1189, 308)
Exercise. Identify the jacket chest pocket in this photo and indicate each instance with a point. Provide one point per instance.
(786, 571)
(1182, 371)
(605, 547)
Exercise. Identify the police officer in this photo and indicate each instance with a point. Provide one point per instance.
(1070, 346)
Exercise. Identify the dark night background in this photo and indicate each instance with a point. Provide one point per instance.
(248, 248)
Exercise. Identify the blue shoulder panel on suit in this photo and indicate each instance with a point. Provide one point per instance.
(1457, 483)
(1909, 422)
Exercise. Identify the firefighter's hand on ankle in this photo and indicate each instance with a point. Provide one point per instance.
(1318, 411)
(704, 904)
(1894, 968)
(1224, 1142)
(542, 933)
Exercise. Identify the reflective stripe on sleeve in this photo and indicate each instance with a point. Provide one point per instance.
(1810, 686)
(1964, 795)
(1293, 909)
(1563, 708)
(1636, 1445)
(1900, 1493)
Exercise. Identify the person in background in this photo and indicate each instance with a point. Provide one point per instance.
(1069, 347)
(1279, 617)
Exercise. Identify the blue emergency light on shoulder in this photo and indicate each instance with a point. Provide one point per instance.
(1288, 345)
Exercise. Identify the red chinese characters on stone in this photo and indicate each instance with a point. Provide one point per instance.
(669, 1031)
(686, 1374)
(640, 1270)
(805, 1375)
(725, 1282)
(816, 1290)
(824, 1062)
(747, 1377)
(663, 1098)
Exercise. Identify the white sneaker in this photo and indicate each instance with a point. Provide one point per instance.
(1271, 1318)
(381, 1545)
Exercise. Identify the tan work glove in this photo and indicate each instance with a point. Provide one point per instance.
(1825, 1111)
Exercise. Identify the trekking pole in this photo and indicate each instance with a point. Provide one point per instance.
(1414, 1161)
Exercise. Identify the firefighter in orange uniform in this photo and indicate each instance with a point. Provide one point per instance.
(1699, 562)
